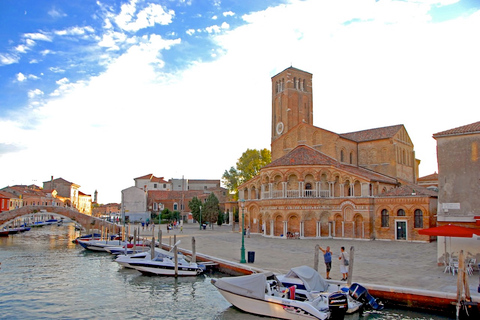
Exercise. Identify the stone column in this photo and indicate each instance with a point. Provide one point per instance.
(284, 189)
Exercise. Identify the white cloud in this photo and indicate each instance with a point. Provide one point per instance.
(75, 31)
(55, 13)
(190, 32)
(38, 36)
(217, 29)
(6, 58)
(34, 93)
(153, 14)
(228, 14)
(21, 77)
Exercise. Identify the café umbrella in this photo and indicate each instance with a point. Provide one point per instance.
(450, 230)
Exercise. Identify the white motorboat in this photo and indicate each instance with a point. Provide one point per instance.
(162, 263)
(310, 284)
(99, 245)
(262, 294)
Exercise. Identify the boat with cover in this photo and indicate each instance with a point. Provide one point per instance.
(310, 284)
(263, 294)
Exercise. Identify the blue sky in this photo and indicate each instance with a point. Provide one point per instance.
(101, 92)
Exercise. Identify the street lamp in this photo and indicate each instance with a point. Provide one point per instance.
(200, 217)
(242, 250)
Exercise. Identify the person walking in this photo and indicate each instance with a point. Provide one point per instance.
(327, 256)
(343, 263)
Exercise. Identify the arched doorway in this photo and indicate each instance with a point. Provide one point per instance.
(293, 224)
(338, 226)
(359, 232)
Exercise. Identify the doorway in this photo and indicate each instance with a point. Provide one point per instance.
(401, 230)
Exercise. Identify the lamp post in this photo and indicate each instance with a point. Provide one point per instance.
(200, 217)
(242, 250)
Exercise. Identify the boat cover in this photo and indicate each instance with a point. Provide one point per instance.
(252, 286)
(310, 277)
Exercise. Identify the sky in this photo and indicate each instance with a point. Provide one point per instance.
(101, 92)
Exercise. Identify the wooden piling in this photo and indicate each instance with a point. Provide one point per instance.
(160, 238)
(315, 259)
(350, 266)
(175, 254)
(194, 252)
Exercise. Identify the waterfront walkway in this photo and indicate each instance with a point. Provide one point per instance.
(387, 263)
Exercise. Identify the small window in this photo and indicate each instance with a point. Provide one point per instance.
(418, 219)
(401, 213)
(175, 206)
(384, 218)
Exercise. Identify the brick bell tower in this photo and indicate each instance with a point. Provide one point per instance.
(292, 100)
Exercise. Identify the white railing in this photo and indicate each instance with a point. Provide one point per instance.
(278, 194)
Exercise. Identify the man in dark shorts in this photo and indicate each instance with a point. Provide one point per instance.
(327, 256)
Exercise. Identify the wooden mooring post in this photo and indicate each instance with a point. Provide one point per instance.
(194, 252)
(350, 266)
(315, 259)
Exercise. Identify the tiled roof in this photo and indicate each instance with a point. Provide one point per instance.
(304, 155)
(152, 178)
(430, 177)
(409, 190)
(147, 176)
(469, 128)
(372, 134)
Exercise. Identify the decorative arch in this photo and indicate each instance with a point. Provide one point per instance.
(359, 226)
(324, 224)
(338, 225)
(293, 223)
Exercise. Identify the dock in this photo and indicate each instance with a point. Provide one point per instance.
(403, 274)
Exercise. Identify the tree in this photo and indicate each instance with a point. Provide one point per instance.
(210, 209)
(194, 206)
(248, 167)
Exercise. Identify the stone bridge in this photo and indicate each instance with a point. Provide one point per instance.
(86, 221)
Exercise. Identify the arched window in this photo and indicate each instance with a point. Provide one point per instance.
(418, 219)
(384, 218)
(351, 157)
(401, 213)
(341, 156)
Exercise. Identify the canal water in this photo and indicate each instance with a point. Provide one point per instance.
(43, 275)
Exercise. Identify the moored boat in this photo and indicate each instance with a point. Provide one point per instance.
(310, 284)
(162, 263)
(99, 245)
(262, 294)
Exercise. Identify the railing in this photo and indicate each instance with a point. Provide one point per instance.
(279, 194)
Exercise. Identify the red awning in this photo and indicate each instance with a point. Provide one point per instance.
(450, 230)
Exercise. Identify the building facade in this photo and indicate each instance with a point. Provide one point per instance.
(458, 155)
(323, 184)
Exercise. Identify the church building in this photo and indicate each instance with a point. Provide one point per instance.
(322, 184)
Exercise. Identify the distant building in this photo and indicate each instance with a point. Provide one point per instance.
(70, 193)
(134, 204)
(429, 182)
(21, 195)
(150, 182)
(319, 184)
(152, 194)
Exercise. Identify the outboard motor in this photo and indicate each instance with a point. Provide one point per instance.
(338, 305)
(360, 293)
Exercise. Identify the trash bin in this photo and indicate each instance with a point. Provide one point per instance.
(251, 256)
